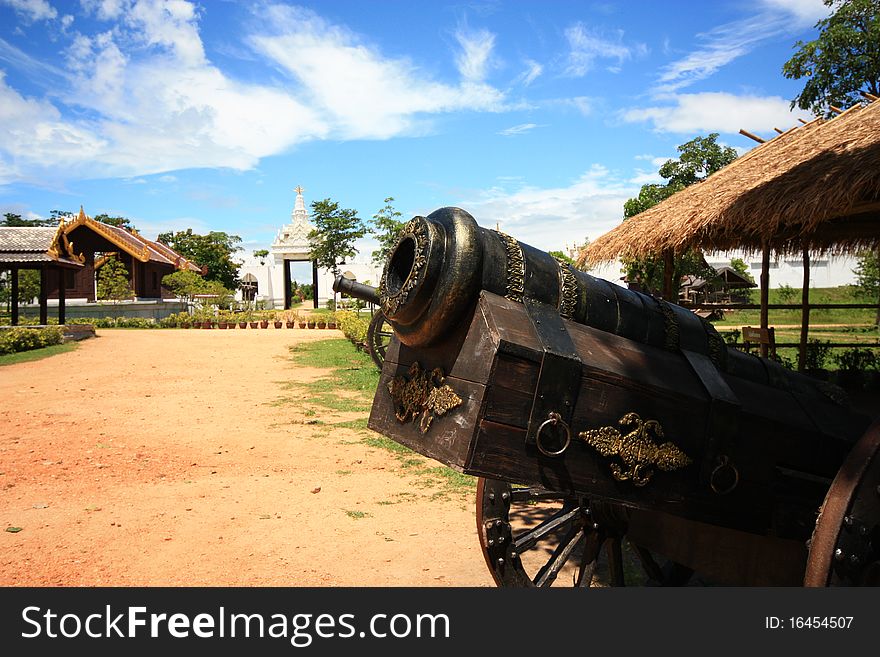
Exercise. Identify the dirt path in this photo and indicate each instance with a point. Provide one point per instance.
(158, 458)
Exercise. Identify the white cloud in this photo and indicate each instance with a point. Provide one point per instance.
(532, 72)
(586, 46)
(805, 12)
(361, 93)
(643, 177)
(105, 9)
(476, 50)
(145, 99)
(32, 10)
(34, 135)
(552, 218)
(725, 43)
(717, 112)
(518, 129)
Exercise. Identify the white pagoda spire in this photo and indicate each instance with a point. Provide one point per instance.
(294, 237)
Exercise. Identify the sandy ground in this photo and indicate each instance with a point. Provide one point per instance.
(163, 458)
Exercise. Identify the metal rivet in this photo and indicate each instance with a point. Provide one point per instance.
(513, 555)
(839, 554)
(505, 495)
(848, 521)
(491, 497)
(595, 525)
(500, 540)
(498, 523)
(491, 542)
(854, 560)
(500, 561)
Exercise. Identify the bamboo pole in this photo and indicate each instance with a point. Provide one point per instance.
(751, 136)
(765, 295)
(805, 314)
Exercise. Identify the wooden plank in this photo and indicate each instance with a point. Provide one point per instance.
(502, 449)
(449, 437)
(726, 557)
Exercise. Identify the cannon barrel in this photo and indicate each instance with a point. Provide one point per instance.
(441, 263)
(357, 290)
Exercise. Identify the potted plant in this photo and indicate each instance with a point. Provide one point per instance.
(222, 322)
(290, 318)
(253, 320)
(301, 320)
(264, 320)
(242, 319)
(322, 322)
(183, 319)
(331, 320)
(277, 320)
(310, 321)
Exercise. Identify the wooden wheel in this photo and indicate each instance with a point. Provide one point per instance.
(378, 337)
(532, 537)
(845, 547)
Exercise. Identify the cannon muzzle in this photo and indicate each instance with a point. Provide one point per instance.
(357, 290)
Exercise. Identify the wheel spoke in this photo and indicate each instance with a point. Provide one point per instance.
(561, 554)
(522, 495)
(589, 561)
(527, 540)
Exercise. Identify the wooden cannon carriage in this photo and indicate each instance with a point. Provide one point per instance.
(594, 414)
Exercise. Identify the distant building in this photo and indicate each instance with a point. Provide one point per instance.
(825, 270)
(269, 279)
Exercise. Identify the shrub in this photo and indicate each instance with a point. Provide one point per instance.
(354, 327)
(24, 339)
(816, 354)
(856, 359)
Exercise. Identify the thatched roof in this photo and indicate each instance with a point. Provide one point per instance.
(816, 186)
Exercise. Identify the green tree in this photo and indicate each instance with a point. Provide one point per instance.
(16, 221)
(113, 281)
(386, 225)
(119, 222)
(698, 159)
(261, 254)
(843, 60)
(336, 231)
(213, 251)
(570, 257)
(184, 284)
(740, 267)
(867, 273)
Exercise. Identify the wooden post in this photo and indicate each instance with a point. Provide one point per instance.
(669, 294)
(315, 283)
(62, 295)
(44, 296)
(14, 292)
(805, 314)
(765, 295)
(288, 293)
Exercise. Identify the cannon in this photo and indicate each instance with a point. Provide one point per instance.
(610, 429)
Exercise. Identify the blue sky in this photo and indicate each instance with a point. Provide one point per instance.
(540, 117)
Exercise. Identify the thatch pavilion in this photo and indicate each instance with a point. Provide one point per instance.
(813, 188)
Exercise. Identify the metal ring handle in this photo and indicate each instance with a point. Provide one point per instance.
(724, 463)
(555, 419)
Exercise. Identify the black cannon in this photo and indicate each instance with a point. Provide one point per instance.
(592, 413)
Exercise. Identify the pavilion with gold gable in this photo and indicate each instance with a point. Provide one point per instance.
(69, 256)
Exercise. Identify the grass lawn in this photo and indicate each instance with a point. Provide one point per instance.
(845, 294)
(37, 354)
(353, 372)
